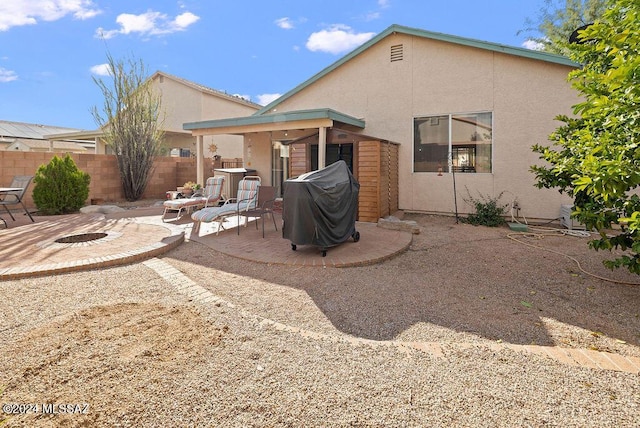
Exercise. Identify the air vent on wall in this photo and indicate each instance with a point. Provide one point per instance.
(396, 53)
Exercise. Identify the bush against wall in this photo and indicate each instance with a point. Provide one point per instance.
(60, 187)
(489, 211)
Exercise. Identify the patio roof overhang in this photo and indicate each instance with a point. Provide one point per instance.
(78, 135)
(297, 119)
(95, 136)
(320, 119)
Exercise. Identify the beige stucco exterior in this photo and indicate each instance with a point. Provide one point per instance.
(184, 101)
(436, 77)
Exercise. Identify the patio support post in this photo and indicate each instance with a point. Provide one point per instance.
(322, 147)
(101, 147)
(200, 159)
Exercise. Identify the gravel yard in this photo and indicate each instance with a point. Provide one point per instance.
(140, 351)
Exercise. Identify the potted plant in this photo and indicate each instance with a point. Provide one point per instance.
(190, 187)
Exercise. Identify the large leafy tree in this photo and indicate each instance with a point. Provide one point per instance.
(558, 19)
(595, 156)
(132, 122)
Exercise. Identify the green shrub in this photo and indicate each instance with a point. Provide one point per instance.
(489, 212)
(60, 187)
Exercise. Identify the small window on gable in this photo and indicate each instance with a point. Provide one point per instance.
(396, 53)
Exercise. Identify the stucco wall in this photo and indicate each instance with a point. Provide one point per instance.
(184, 103)
(441, 78)
(257, 155)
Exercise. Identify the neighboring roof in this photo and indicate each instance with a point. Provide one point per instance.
(284, 117)
(206, 89)
(76, 135)
(97, 133)
(30, 130)
(44, 145)
(495, 47)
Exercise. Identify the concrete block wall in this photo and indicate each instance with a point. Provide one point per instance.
(169, 172)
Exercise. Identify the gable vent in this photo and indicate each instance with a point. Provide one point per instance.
(396, 53)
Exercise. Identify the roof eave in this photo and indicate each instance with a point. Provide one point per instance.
(285, 117)
(204, 89)
(79, 135)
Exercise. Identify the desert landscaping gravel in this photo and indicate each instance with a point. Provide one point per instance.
(268, 345)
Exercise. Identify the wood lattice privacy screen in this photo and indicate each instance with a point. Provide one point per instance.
(374, 164)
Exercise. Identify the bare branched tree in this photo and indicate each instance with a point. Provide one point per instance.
(131, 121)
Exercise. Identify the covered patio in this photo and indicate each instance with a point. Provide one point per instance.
(284, 145)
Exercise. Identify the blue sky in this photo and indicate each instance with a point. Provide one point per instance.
(258, 49)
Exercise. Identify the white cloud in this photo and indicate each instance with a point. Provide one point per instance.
(284, 23)
(149, 23)
(383, 3)
(265, 99)
(372, 16)
(15, 13)
(101, 70)
(533, 45)
(7, 75)
(183, 20)
(143, 23)
(337, 39)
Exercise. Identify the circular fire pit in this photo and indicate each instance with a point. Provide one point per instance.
(83, 237)
(80, 240)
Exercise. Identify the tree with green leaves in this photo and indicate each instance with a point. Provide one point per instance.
(131, 121)
(558, 19)
(595, 156)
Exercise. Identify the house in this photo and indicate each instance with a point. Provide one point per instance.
(416, 114)
(182, 101)
(31, 137)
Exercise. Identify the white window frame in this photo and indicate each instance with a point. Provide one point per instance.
(449, 164)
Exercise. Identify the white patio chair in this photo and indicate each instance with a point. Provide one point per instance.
(209, 197)
(245, 199)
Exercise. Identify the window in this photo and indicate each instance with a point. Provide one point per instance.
(461, 142)
(183, 153)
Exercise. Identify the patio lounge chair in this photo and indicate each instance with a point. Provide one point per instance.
(210, 196)
(16, 197)
(246, 199)
(264, 207)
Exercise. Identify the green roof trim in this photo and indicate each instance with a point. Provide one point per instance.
(288, 116)
(495, 47)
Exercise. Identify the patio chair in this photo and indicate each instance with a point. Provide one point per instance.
(245, 199)
(264, 207)
(210, 196)
(16, 197)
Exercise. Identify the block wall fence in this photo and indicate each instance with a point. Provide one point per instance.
(169, 173)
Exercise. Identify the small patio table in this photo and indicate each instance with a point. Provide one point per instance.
(4, 191)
